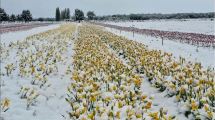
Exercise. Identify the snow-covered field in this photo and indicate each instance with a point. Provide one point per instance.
(6, 38)
(204, 26)
(80, 71)
(26, 92)
(204, 55)
(12, 27)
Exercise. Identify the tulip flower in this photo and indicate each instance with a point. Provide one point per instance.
(5, 104)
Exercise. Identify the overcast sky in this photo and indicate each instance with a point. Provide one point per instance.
(46, 8)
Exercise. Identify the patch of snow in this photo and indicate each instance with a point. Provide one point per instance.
(51, 104)
(6, 38)
(160, 100)
(192, 53)
(204, 26)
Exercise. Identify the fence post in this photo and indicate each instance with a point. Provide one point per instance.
(162, 40)
(133, 30)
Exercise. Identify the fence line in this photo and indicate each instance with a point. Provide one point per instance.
(190, 38)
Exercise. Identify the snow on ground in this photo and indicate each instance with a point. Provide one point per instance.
(20, 35)
(55, 107)
(204, 26)
(159, 98)
(51, 104)
(204, 55)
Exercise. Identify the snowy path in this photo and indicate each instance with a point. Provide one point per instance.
(51, 104)
(160, 99)
(204, 55)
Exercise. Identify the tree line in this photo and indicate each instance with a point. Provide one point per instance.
(78, 15)
(157, 16)
(61, 15)
(25, 16)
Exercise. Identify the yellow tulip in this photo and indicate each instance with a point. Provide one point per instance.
(5, 104)
(210, 114)
(154, 115)
(137, 82)
(120, 104)
(148, 105)
(194, 106)
(138, 115)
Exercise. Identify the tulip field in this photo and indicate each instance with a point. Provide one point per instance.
(201, 26)
(197, 39)
(33, 81)
(4, 28)
(82, 71)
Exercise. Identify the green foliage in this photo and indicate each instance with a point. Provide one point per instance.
(79, 15)
(157, 16)
(65, 14)
(3, 15)
(57, 14)
(91, 15)
(26, 15)
(19, 18)
(12, 18)
(62, 15)
(40, 19)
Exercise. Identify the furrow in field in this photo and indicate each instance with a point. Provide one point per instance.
(102, 87)
(189, 83)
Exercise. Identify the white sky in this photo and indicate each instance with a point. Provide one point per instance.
(46, 8)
